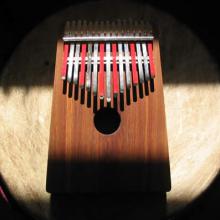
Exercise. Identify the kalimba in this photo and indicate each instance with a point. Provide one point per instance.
(108, 130)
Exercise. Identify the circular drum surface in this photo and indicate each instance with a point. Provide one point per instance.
(192, 104)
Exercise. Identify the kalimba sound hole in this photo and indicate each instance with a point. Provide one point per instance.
(107, 120)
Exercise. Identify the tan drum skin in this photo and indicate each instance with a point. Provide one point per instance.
(192, 104)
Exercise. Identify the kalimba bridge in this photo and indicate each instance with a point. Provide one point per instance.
(106, 69)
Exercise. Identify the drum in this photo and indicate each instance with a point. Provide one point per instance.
(192, 106)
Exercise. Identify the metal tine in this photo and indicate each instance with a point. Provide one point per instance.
(76, 36)
(139, 28)
(78, 28)
(139, 55)
(148, 28)
(113, 29)
(118, 26)
(130, 27)
(102, 26)
(115, 77)
(82, 58)
(89, 28)
(127, 55)
(65, 51)
(95, 63)
(77, 54)
(132, 51)
(71, 54)
(123, 27)
(101, 74)
(107, 28)
(96, 28)
(145, 53)
(72, 28)
(142, 28)
(84, 28)
(120, 59)
(67, 29)
(108, 64)
(89, 62)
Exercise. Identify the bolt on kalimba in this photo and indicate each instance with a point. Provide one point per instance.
(119, 144)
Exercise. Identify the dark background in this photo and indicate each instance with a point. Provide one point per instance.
(17, 18)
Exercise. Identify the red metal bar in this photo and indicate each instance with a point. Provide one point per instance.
(133, 64)
(115, 71)
(101, 75)
(65, 55)
(151, 60)
(83, 66)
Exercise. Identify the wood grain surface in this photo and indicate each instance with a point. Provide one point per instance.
(133, 158)
(192, 105)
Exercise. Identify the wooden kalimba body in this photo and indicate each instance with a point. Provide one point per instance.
(108, 130)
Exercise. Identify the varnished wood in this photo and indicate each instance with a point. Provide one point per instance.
(83, 159)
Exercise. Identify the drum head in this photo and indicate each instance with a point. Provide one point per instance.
(192, 105)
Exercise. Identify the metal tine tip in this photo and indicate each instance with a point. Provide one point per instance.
(143, 31)
(91, 29)
(107, 29)
(148, 28)
(113, 29)
(123, 28)
(87, 30)
(134, 25)
(84, 27)
(101, 28)
(119, 26)
(72, 28)
(78, 28)
(118, 30)
(126, 27)
(139, 28)
(96, 28)
(91, 26)
(131, 25)
(145, 28)
(136, 28)
(67, 29)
